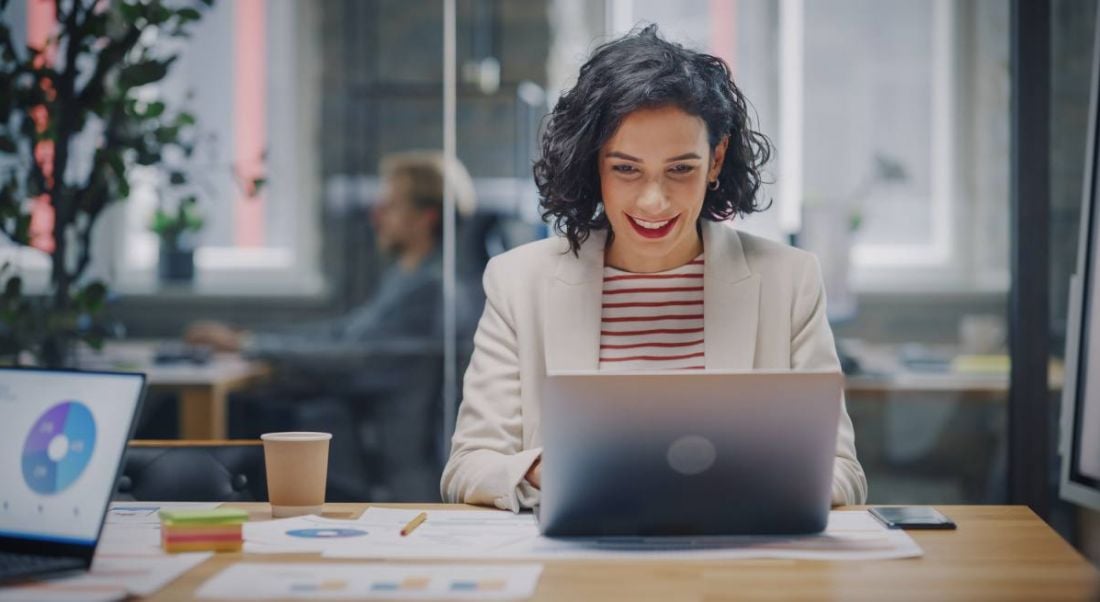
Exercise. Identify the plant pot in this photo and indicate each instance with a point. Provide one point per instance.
(176, 265)
(58, 351)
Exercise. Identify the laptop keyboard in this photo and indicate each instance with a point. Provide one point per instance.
(15, 565)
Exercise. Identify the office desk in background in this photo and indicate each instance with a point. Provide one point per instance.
(203, 389)
(997, 553)
(884, 375)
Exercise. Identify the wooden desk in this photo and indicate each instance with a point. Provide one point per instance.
(202, 389)
(998, 553)
(885, 377)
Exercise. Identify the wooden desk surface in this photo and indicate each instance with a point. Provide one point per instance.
(997, 553)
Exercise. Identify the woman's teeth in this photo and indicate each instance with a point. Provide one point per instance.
(651, 225)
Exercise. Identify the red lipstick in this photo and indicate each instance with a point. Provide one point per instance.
(653, 232)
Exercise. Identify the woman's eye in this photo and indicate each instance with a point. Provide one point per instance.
(682, 169)
(623, 168)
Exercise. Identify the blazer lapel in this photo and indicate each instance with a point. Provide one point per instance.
(731, 300)
(572, 325)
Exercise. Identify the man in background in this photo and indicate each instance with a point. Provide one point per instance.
(373, 376)
(407, 305)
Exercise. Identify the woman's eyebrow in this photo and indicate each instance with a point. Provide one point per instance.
(622, 155)
(682, 157)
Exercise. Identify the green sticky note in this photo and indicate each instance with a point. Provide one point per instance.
(216, 516)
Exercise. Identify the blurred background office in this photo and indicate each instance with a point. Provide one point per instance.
(892, 121)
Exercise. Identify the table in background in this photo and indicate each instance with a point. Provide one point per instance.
(203, 389)
(884, 376)
(997, 553)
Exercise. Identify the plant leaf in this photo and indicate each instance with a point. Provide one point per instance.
(13, 288)
(188, 14)
(93, 295)
(144, 72)
(22, 230)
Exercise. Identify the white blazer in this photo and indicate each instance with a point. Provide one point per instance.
(764, 308)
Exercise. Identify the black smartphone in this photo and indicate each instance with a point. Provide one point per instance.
(912, 517)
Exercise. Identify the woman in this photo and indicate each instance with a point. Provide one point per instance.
(642, 162)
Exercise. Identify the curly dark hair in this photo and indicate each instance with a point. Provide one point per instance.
(637, 71)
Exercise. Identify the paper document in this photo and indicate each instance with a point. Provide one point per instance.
(146, 512)
(377, 534)
(850, 535)
(111, 578)
(373, 581)
(130, 539)
(302, 535)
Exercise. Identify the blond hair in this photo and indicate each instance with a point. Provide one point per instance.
(423, 171)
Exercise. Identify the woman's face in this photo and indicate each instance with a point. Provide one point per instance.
(654, 171)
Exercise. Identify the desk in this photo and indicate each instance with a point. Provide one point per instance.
(998, 553)
(202, 389)
(884, 376)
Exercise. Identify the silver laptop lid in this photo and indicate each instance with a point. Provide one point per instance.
(62, 437)
(688, 452)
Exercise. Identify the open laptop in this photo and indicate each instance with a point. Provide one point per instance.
(688, 453)
(62, 438)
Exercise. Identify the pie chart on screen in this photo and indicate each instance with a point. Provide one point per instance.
(58, 447)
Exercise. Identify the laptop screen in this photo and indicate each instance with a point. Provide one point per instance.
(62, 436)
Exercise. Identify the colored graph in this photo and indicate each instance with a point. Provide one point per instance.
(58, 447)
(328, 585)
(408, 584)
(483, 585)
(325, 533)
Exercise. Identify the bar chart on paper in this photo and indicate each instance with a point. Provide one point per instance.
(367, 581)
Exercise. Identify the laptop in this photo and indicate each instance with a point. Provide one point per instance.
(688, 453)
(62, 439)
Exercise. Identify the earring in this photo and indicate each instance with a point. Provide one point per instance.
(714, 185)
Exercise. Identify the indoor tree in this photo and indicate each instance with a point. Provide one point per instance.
(77, 113)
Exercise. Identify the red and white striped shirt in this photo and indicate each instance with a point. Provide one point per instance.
(653, 321)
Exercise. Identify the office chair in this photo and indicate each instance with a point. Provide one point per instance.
(193, 471)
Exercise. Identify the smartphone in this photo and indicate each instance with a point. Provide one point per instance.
(912, 517)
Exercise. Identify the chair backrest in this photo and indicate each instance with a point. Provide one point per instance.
(193, 471)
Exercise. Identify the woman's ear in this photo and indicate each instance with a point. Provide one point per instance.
(718, 159)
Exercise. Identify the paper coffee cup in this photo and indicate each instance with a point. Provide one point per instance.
(297, 469)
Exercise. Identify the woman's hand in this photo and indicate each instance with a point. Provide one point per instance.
(534, 474)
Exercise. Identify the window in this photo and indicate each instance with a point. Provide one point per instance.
(891, 125)
(886, 89)
(245, 75)
(254, 103)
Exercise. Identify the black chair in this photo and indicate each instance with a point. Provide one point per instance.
(193, 471)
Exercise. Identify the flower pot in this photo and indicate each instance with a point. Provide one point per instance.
(58, 351)
(176, 265)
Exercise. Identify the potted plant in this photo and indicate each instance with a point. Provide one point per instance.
(76, 114)
(177, 230)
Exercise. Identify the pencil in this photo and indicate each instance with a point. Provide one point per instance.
(414, 523)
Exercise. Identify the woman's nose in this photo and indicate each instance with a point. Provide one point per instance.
(652, 201)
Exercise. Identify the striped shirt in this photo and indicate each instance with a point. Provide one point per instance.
(653, 321)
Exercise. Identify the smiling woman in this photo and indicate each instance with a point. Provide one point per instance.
(653, 177)
(627, 86)
(641, 163)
